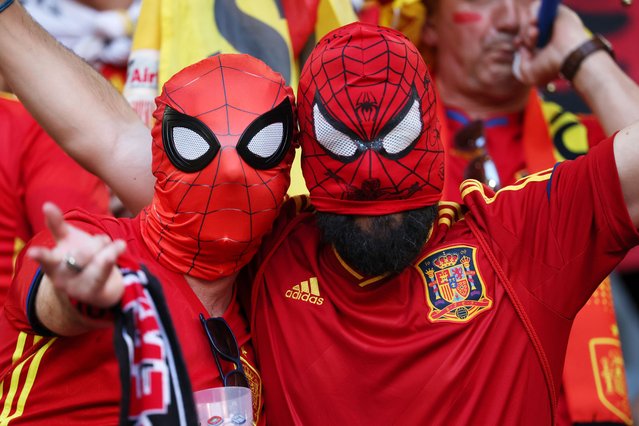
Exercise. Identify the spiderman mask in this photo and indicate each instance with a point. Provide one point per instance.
(369, 132)
(222, 154)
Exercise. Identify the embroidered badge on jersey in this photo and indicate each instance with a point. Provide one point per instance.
(454, 288)
(255, 382)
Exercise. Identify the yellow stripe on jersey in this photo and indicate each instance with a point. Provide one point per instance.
(449, 205)
(445, 220)
(357, 275)
(8, 96)
(373, 280)
(471, 185)
(345, 265)
(32, 372)
(448, 215)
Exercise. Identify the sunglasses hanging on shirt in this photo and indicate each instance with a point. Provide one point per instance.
(471, 143)
(223, 344)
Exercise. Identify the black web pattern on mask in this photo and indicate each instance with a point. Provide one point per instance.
(398, 82)
(266, 177)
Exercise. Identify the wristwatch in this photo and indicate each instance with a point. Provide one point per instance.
(572, 63)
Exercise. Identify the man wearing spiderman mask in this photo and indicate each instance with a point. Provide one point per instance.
(222, 153)
(386, 305)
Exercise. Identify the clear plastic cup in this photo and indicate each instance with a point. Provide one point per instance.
(230, 405)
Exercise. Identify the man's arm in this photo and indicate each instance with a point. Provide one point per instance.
(86, 116)
(609, 92)
(626, 148)
(91, 277)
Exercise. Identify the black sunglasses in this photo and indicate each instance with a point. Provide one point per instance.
(223, 343)
(471, 143)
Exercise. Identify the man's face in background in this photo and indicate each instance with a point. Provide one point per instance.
(474, 46)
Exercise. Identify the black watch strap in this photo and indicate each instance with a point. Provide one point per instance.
(572, 63)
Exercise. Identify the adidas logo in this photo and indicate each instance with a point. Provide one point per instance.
(306, 291)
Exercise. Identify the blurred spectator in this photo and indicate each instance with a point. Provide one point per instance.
(497, 130)
(99, 31)
(33, 169)
(407, 16)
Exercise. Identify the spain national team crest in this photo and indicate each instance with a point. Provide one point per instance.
(454, 287)
(608, 369)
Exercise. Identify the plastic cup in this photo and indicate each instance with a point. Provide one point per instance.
(230, 405)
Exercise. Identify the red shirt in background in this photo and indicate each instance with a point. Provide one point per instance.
(33, 169)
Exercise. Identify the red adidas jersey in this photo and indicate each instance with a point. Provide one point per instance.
(33, 169)
(474, 333)
(594, 345)
(75, 380)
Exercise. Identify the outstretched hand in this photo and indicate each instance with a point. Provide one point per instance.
(80, 265)
(535, 67)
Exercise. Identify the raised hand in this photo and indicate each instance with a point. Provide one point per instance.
(80, 265)
(536, 67)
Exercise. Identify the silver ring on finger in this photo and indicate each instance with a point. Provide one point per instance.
(72, 264)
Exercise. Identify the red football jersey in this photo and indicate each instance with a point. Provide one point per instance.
(75, 380)
(33, 169)
(594, 345)
(474, 333)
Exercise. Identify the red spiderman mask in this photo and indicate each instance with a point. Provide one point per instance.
(369, 132)
(221, 157)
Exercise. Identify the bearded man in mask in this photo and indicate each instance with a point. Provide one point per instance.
(381, 304)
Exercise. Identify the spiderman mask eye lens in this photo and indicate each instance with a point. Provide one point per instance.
(265, 142)
(336, 143)
(189, 143)
(401, 133)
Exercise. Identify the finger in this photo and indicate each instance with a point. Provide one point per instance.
(105, 260)
(83, 255)
(517, 66)
(55, 221)
(48, 259)
(533, 10)
(100, 293)
(52, 265)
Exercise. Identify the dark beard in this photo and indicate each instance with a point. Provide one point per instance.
(376, 245)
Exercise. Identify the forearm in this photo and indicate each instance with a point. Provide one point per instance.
(76, 106)
(626, 150)
(54, 311)
(611, 95)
